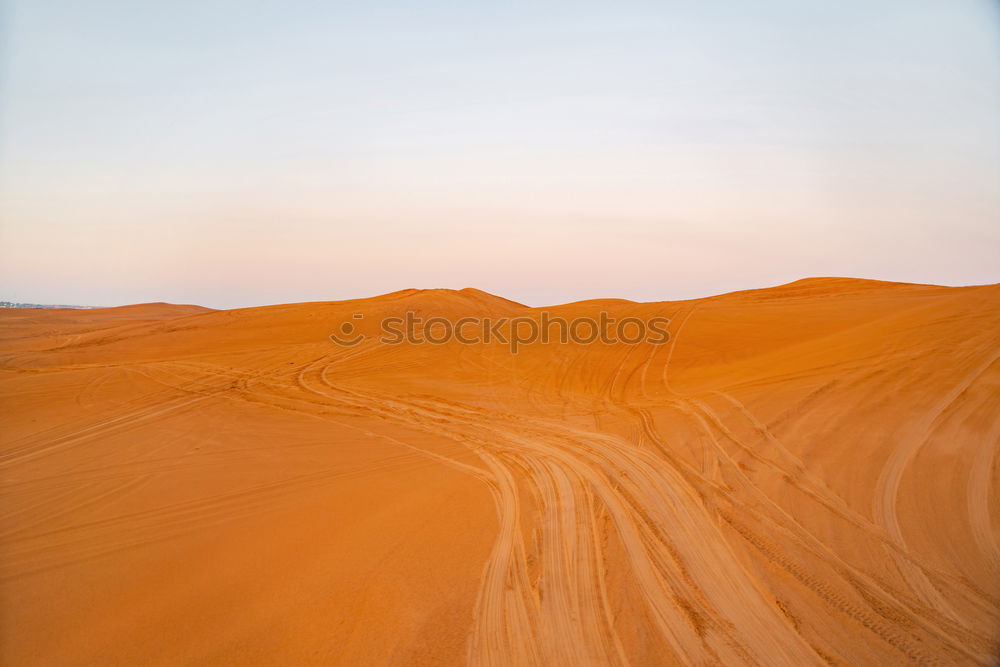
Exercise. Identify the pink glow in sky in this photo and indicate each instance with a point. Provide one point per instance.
(233, 154)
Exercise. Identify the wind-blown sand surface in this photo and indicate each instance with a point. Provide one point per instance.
(804, 475)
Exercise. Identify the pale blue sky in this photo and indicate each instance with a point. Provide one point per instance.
(240, 153)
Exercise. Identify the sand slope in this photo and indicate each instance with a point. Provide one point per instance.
(806, 474)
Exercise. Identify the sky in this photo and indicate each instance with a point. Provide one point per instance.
(237, 153)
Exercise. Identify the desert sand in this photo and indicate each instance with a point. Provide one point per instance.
(805, 474)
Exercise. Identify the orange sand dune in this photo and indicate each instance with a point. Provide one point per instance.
(802, 475)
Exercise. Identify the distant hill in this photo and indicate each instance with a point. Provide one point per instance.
(15, 304)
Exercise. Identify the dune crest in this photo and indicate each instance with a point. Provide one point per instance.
(804, 474)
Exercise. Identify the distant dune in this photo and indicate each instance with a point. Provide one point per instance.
(803, 475)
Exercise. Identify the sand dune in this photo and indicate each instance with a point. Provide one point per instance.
(803, 475)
